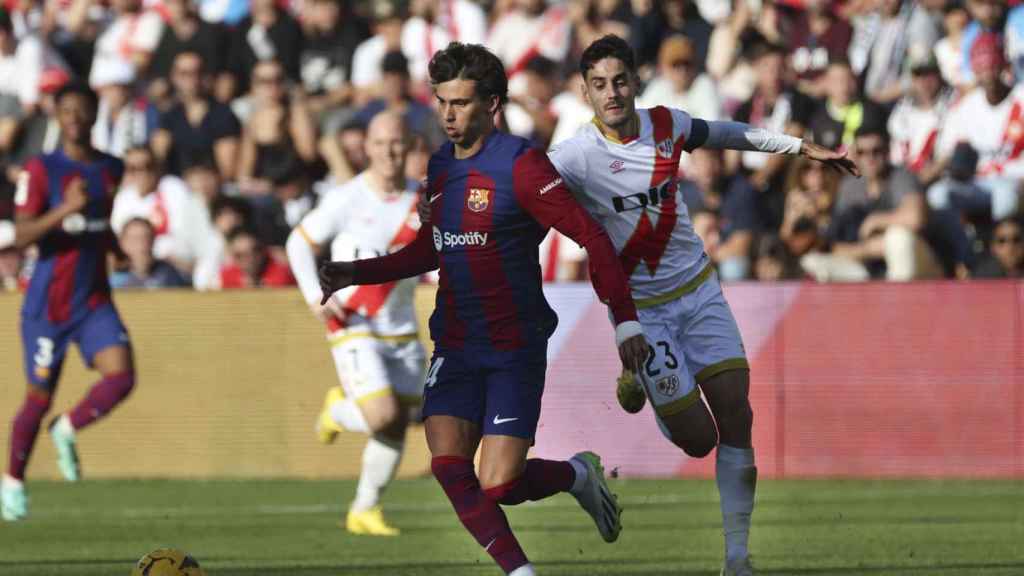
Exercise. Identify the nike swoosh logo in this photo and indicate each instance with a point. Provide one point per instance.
(503, 420)
(435, 197)
(491, 543)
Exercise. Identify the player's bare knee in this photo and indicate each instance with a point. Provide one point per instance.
(381, 416)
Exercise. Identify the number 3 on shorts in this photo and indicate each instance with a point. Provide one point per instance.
(435, 367)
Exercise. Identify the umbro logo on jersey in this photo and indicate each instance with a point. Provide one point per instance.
(550, 186)
(617, 166)
(665, 148)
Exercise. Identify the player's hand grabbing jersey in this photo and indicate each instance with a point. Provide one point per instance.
(489, 213)
(358, 223)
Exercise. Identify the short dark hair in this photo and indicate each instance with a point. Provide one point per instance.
(395, 63)
(471, 62)
(607, 46)
(232, 203)
(872, 128)
(243, 230)
(284, 169)
(80, 88)
(768, 48)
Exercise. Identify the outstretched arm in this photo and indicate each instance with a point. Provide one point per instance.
(418, 257)
(728, 135)
(542, 193)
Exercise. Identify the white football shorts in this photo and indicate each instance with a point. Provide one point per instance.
(370, 365)
(694, 336)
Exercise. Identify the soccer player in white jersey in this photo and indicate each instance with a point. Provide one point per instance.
(371, 329)
(622, 167)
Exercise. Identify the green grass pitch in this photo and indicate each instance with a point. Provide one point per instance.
(671, 527)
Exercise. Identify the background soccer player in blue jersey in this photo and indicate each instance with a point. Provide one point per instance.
(492, 200)
(63, 204)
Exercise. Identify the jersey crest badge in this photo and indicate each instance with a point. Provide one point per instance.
(478, 199)
(665, 148)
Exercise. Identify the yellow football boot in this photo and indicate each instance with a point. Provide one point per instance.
(369, 523)
(326, 428)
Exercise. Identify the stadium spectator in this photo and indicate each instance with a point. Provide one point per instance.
(837, 117)
(274, 216)
(227, 214)
(531, 28)
(128, 40)
(185, 31)
(777, 107)
(201, 176)
(333, 31)
(1006, 252)
(915, 122)
(679, 84)
(570, 109)
(179, 219)
(345, 152)
(988, 17)
(773, 262)
(810, 196)
(529, 113)
(10, 267)
(142, 269)
(398, 97)
(276, 123)
(985, 118)
(197, 124)
(592, 19)
(949, 48)
(656, 21)
(877, 224)
(418, 157)
(818, 37)
(431, 25)
(729, 203)
(267, 33)
(901, 26)
(251, 265)
(121, 121)
(388, 19)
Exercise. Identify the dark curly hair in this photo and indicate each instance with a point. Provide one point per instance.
(607, 46)
(471, 62)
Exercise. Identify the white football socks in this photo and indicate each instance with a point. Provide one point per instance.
(348, 415)
(380, 462)
(524, 570)
(736, 477)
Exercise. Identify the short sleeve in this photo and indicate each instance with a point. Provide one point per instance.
(225, 124)
(568, 160)
(30, 198)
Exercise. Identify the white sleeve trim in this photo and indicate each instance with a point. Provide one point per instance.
(739, 136)
(626, 330)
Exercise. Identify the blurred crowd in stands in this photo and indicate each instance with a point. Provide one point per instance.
(234, 116)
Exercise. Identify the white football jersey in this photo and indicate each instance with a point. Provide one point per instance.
(359, 224)
(996, 132)
(631, 189)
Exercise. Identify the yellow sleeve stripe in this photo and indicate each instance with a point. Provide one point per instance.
(305, 236)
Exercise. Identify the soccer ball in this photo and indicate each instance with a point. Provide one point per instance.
(167, 562)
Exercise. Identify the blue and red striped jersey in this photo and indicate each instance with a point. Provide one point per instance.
(70, 276)
(489, 213)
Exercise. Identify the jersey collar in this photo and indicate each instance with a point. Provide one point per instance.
(607, 133)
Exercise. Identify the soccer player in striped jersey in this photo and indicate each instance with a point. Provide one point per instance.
(63, 204)
(622, 168)
(492, 199)
(371, 329)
